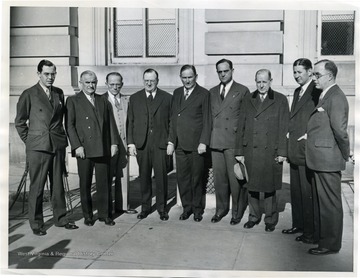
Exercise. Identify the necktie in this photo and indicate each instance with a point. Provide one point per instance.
(222, 94)
(150, 97)
(301, 93)
(262, 97)
(92, 99)
(187, 93)
(117, 103)
(47, 92)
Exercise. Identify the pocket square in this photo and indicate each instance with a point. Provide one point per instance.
(320, 109)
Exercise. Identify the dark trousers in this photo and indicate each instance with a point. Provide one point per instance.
(190, 178)
(85, 168)
(226, 184)
(304, 201)
(270, 208)
(42, 164)
(119, 170)
(328, 185)
(152, 157)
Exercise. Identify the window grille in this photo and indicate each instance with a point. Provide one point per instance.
(146, 37)
(337, 34)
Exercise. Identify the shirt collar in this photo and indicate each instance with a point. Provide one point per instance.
(326, 90)
(44, 88)
(153, 93)
(306, 85)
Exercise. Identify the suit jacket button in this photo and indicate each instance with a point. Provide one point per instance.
(178, 115)
(88, 127)
(87, 118)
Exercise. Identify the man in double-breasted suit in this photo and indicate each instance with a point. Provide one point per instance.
(39, 122)
(302, 182)
(262, 145)
(148, 131)
(327, 150)
(119, 164)
(189, 135)
(226, 100)
(93, 136)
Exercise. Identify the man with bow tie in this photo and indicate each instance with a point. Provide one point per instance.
(39, 122)
(93, 137)
(147, 139)
(119, 164)
(262, 145)
(225, 101)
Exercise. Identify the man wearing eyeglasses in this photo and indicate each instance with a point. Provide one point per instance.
(327, 150)
(147, 138)
(39, 122)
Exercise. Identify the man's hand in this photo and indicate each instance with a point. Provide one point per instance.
(80, 152)
(280, 159)
(132, 150)
(170, 149)
(304, 137)
(202, 148)
(240, 158)
(114, 150)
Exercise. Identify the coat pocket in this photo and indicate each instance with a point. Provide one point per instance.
(323, 143)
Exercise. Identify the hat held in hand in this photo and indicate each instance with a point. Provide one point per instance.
(240, 171)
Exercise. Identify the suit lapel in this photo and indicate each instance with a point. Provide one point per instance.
(297, 104)
(44, 100)
(269, 100)
(217, 100)
(229, 97)
(159, 97)
(185, 103)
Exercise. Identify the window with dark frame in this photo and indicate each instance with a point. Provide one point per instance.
(337, 33)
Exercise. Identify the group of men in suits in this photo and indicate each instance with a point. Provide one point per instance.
(255, 129)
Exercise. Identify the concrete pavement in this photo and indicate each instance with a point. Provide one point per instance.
(173, 248)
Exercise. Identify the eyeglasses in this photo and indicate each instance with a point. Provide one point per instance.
(318, 75)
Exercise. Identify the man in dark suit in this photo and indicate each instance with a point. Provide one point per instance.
(148, 131)
(327, 150)
(189, 135)
(93, 136)
(302, 183)
(262, 145)
(118, 164)
(225, 100)
(39, 122)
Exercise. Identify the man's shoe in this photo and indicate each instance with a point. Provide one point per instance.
(269, 227)
(250, 224)
(293, 230)
(185, 215)
(235, 221)
(142, 215)
(321, 251)
(70, 226)
(108, 221)
(216, 218)
(88, 222)
(164, 216)
(197, 217)
(39, 232)
(306, 240)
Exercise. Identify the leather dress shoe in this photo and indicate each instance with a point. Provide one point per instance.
(108, 221)
(306, 240)
(197, 217)
(216, 218)
(164, 216)
(321, 251)
(70, 226)
(185, 215)
(235, 221)
(142, 215)
(88, 221)
(293, 230)
(39, 232)
(269, 227)
(250, 224)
